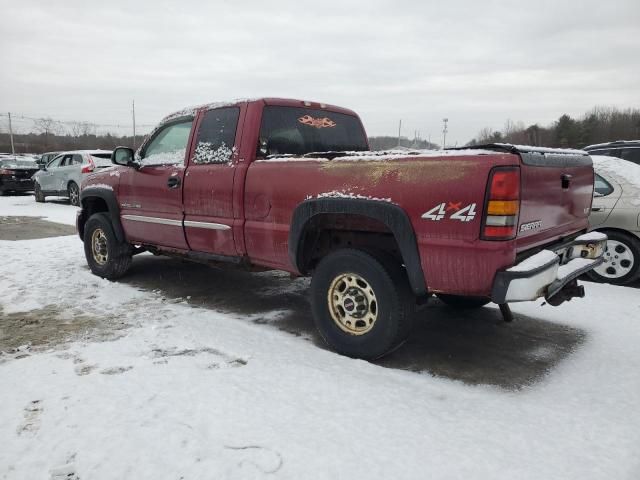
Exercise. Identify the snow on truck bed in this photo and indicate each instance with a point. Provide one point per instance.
(186, 390)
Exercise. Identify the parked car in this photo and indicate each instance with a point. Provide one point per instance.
(45, 158)
(15, 174)
(616, 212)
(625, 149)
(290, 185)
(63, 175)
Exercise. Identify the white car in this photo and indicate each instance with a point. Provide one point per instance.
(63, 175)
(616, 212)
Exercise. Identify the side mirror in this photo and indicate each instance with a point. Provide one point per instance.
(123, 156)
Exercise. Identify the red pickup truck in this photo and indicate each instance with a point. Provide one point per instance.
(291, 185)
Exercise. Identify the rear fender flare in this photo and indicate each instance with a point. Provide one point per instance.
(389, 214)
(109, 198)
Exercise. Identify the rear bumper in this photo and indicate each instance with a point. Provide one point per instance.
(546, 273)
(19, 185)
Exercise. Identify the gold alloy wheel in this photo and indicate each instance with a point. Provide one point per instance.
(99, 246)
(352, 304)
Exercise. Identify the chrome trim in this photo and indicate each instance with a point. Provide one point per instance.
(208, 225)
(161, 221)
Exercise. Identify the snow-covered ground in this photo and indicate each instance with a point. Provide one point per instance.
(154, 386)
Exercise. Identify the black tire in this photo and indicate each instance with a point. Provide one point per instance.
(463, 302)
(74, 193)
(621, 247)
(38, 194)
(112, 259)
(393, 299)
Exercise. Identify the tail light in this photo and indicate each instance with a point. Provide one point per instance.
(4, 171)
(90, 167)
(502, 204)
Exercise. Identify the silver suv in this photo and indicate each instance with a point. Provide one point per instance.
(625, 149)
(63, 175)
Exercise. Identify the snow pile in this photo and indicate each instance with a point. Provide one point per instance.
(378, 155)
(538, 260)
(211, 391)
(97, 185)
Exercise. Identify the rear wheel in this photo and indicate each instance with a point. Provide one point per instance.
(74, 193)
(106, 256)
(463, 302)
(621, 260)
(362, 304)
(38, 193)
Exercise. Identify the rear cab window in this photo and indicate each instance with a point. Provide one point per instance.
(216, 136)
(298, 131)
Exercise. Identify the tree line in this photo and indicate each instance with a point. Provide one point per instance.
(599, 125)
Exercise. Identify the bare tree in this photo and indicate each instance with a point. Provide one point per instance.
(47, 126)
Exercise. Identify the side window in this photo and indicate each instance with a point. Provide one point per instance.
(76, 160)
(169, 145)
(55, 163)
(606, 153)
(216, 136)
(602, 188)
(632, 154)
(66, 161)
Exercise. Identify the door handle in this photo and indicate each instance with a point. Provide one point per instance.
(565, 178)
(173, 182)
(597, 209)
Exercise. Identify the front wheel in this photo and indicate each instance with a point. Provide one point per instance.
(107, 257)
(621, 260)
(362, 304)
(74, 194)
(38, 193)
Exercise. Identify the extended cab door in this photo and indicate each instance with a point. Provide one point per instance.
(208, 182)
(150, 197)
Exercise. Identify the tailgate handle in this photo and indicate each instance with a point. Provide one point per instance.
(566, 180)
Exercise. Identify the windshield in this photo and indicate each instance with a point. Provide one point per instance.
(292, 130)
(17, 163)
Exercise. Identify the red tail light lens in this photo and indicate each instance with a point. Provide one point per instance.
(502, 205)
(90, 167)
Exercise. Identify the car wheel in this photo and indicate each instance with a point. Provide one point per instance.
(107, 257)
(463, 302)
(362, 304)
(621, 260)
(74, 193)
(38, 194)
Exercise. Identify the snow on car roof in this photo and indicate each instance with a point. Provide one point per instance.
(191, 111)
(616, 143)
(621, 170)
(88, 152)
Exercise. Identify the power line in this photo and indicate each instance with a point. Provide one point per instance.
(74, 122)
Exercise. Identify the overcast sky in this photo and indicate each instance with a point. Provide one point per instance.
(477, 63)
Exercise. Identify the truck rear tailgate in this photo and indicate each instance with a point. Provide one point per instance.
(556, 195)
(556, 190)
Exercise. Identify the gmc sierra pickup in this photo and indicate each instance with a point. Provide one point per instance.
(291, 185)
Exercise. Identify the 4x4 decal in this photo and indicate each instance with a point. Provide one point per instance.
(440, 211)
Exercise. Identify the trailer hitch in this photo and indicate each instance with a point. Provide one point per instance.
(566, 293)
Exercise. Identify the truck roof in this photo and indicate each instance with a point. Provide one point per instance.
(284, 102)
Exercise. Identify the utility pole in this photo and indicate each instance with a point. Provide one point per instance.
(399, 129)
(133, 112)
(13, 150)
(444, 133)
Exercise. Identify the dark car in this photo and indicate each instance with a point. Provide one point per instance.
(16, 173)
(626, 149)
